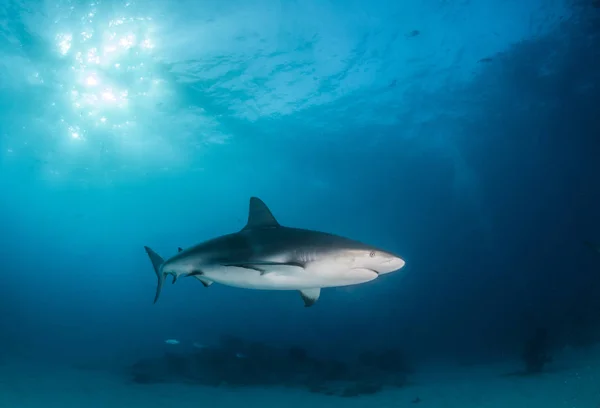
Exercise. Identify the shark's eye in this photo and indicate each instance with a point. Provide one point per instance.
(372, 254)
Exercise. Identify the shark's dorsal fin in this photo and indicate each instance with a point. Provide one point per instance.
(259, 215)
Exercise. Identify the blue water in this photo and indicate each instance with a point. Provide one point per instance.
(463, 136)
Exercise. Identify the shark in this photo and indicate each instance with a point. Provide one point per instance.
(265, 255)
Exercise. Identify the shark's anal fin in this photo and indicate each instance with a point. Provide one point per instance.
(310, 296)
(204, 281)
(259, 215)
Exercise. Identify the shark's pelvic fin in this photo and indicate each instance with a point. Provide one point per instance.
(204, 281)
(310, 296)
(157, 262)
(259, 216)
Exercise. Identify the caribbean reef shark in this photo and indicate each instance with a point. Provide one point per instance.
(265, 255)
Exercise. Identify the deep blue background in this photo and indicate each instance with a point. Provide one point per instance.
(487, 185)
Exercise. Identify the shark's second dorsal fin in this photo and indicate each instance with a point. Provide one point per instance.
(259, 215)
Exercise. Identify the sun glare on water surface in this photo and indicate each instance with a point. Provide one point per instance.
(110, 83)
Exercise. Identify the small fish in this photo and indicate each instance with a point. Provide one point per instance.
(416, 400)
(485, 60)
(172, 341)
(199, 345)
(413, 33)
(240, 355)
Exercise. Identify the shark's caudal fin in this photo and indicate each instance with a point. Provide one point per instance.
(157, 262)
(259, 216)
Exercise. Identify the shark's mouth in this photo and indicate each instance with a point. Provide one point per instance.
(367, 269)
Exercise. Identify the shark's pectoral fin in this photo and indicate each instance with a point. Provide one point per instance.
(174, 279)
(204, 281)
(310, 296)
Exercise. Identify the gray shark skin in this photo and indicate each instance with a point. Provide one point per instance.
(265, 255)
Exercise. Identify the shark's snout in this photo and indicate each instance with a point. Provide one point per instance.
(390, 264)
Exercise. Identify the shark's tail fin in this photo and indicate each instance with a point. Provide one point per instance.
(157, 262)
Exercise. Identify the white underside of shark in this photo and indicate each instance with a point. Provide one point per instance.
(319, 275)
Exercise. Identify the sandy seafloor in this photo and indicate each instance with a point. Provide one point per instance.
(573, 381)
